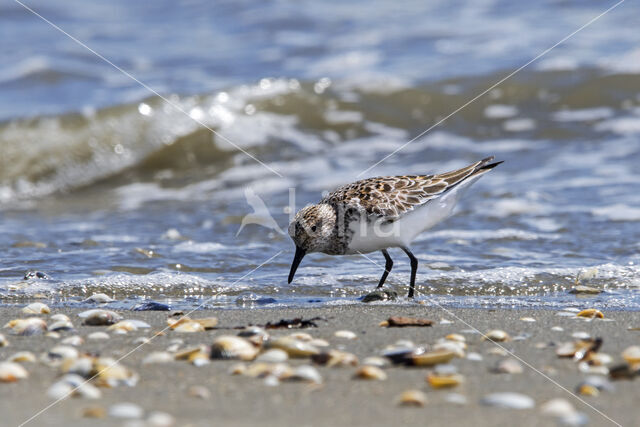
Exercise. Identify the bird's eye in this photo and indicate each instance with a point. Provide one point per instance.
(314, 228)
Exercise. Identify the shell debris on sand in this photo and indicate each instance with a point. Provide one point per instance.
(496, 335)
(437, 380)
(368, 372)
(12, 372)
(27, 327)
(99, 317)
(508, 400)
(590, 313)
(36, 308)
(414, 398)
(233, 347)
(348, 335)
(294, 348)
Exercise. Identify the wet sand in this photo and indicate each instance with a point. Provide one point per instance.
(340, 400)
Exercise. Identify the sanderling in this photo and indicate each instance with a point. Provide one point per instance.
(379, 213)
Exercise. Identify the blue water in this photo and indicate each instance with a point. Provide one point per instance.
(107, 188)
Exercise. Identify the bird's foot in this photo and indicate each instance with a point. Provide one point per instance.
(380, 294)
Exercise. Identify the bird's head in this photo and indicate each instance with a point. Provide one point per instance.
(311, 230)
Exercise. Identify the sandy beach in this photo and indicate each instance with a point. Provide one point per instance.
(340, 399)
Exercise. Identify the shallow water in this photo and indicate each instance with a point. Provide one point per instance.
(107, 188)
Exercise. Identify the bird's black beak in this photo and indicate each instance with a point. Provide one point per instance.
(300, 253)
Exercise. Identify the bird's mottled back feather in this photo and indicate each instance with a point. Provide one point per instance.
(393, 196)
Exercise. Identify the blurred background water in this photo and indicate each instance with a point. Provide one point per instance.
(107, 188)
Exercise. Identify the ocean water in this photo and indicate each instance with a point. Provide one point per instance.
(106, 187)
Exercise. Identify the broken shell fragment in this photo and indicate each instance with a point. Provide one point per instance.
(590, 313)
(3, 341)
(347, 335)
(508, 400)
(412, 398)
(436, 380)
(22, 356)
(335, 358)
(36, 308)
(456, 337)
(232, 347)
(187, 353)
(12, 372)
(632, 354)
(508, 366)
(27, 327)
(99, 335)
(274, 355)
(207, 322)
(294, 348)
(157, 357)
(368, 372)
(432, 358)
(61, 325)
(496, 335)
(99, 317)
(305, 373)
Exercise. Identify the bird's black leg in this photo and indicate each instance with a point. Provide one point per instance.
(387, 267)
(414, 269)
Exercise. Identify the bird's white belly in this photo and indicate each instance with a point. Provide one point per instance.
(374, 236)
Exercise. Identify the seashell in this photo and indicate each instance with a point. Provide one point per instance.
(631, 354)
(232, 347)
(335, 358)
(74, 340)
(557, 328)
(199, 358)
(188, 352)
(252, 331)
(262, 370)
(567, 349)
(508, 400)
(586, 368)
(94, 412)
(496, 335)
(347, 335)
(497, 351)
(476, 357)
(59, 317)
(207, 322)
(380, 362)
(27, 327)
(99, 299)
(527, 319)
(508, 366)
(188, 327)
(301, 336)
(454, 346)
(61, 325)
(402, 354)
(60, 353)
(588, 390)
(73, 385)
(271, 381)
(455, 398)
(100, 335)
(446, 369)
(110, 373)
(412, 398)
(36, 308)
(442, 381)
(3, 341)
(238, 369)
(53, 334)
(123, 326)
(557, 408)
(581, 335)
(456, 338)
(199, 392)
(432, 358)
(81, 366)
(126, 410)
(590, 313)
(368, 372)
(305, 373)
(294, 348)
(12, 372)
(99, 317)
(445, 322)
(319, 342)
(22, 356)
(275, 355)
(157, 357)
(160, 419)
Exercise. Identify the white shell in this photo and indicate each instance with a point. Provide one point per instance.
(11, 372)
(126, 410)
(508, 400)
(36, 308)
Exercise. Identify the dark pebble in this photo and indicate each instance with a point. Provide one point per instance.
(35, 275)
(151, 306)
(380, 295)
